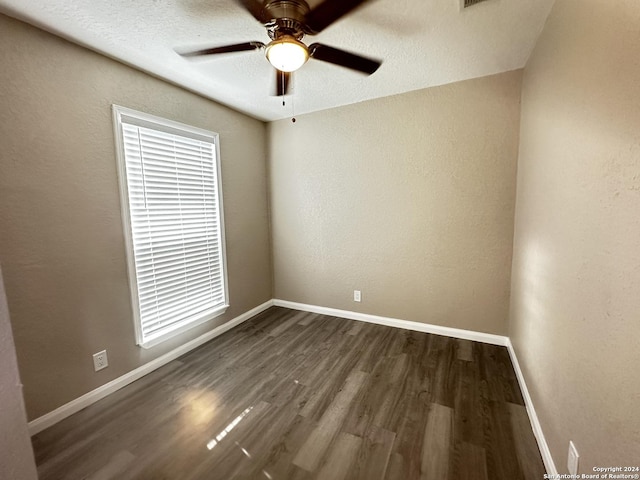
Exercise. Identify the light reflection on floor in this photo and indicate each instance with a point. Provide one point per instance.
(212, 443)
(199, 408)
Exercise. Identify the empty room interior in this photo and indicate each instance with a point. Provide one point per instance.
(413, 254)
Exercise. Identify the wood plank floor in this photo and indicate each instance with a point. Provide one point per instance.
(295, 395)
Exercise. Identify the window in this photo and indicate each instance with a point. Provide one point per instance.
(172, 215)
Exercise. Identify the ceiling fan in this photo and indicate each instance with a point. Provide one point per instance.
(287, 22)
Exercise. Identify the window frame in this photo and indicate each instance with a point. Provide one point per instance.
(120, 116)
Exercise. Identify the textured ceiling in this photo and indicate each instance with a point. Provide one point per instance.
(423, 43)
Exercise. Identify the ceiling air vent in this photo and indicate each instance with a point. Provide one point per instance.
(470, 3)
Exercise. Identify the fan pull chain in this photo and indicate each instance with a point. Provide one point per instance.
(293, 115)
(284, 103)
(283, 92)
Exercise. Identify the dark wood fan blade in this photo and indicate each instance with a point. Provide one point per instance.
(328, 12)
(254, 7)
(283, 79)
(344, 59)
(238, 47)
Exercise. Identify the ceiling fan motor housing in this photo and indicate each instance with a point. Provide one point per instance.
(285, 17)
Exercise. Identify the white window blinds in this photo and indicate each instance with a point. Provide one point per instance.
(171, 173)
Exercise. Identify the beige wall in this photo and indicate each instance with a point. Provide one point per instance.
(16, 454)
(409, 199)
(61, 241)
(575, 316)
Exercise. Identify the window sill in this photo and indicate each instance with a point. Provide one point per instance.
(183, 327)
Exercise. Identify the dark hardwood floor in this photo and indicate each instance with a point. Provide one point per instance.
(295, 395)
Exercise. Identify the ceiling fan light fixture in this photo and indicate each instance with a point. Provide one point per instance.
(287, 54)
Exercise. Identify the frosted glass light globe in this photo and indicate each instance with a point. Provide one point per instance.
(287, 54)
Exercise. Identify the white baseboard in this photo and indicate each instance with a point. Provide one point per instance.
(533, 417)
(62, 412)
(395, 322)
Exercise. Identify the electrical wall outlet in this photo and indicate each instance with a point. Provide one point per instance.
(357, 297)
(572, 459)
(100, 360)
